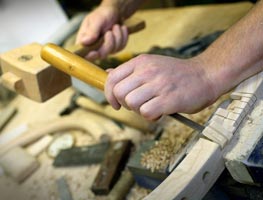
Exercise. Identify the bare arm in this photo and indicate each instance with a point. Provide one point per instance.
(238, 54)
(125, 7)
(158, 85)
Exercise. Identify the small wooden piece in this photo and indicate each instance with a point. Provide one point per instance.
(113, 163)
(122, 187)
(220, 129)
(40, 145)
(215, 136)
(18, 163)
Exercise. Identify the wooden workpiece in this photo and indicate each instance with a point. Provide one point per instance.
(184, 24)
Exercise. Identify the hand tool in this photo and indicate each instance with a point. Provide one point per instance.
(88, 72)
(63, 189)
(27, 74)
(113, 163)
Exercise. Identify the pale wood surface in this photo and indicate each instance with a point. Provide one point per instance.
(175, 27)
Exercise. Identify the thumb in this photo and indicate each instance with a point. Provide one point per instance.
(90, 34)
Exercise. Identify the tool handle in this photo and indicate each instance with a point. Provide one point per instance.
(74, 65)
(133, 24)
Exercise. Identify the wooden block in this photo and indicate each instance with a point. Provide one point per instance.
(40, 145)
(230, 125)
(217, 118)
(215, 136)
(18, 163)
(240, 112)
(234, 117)
(238, 96)
(251, 85)
(221, 130)
(239, 104)
(40, 81)
(113, 163)
(250, 101)
(221, 112)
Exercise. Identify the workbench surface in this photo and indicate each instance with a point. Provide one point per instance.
(165, 27)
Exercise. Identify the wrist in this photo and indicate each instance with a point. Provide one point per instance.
(210, 76)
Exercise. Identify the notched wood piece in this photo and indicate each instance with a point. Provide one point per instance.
(221, 130)
(215, 136)
(222, 112)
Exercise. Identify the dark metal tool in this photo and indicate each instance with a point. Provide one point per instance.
(192, 124)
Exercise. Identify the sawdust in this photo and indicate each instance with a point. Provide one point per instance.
(174, 138)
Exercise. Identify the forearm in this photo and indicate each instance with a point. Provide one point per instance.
(125, 7)
(237, 54)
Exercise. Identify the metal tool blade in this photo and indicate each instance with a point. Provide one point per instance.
(192, 124)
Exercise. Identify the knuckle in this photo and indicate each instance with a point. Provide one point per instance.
(143, 57)
(131, 103)
(118, 93)
(146, 113)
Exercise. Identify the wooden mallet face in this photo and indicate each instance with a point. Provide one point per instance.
(27, 74)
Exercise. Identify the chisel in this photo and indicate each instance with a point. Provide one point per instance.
(90, 73)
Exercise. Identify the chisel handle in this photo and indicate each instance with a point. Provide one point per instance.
(74, 65)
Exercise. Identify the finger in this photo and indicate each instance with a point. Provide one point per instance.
(93, 55)
(108, 45)
(137, 97)
(117, 33)
(115, 76)
(124, 87)
(152, 109)
(89, 32)
(125, 36)
(109, 70)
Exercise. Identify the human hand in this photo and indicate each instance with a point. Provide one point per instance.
(103, 21)
(154, 85)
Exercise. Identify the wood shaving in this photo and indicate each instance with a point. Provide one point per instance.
(174, 137)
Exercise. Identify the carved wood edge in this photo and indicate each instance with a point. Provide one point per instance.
(194, 176)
